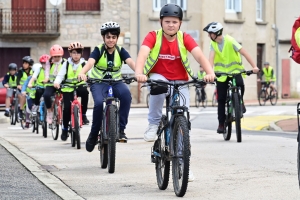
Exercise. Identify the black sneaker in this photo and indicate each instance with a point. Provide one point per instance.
(85, 121)
(123, 135)
(64, 135)
(21, 114)
(244, 108)
(6, 113)
(91, 142)
(220, 129)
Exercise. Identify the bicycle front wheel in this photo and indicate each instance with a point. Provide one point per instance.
(162, 164)
(12, 115)
(273, 97)
(55, 124)
(111, 126)
(262, 97)
(103, 153)
(181, 157)
(298, 160)
(227, 127)
(214, 100)
(197, 99)
(36, 123)
(16, 110)
(44, 125)
(77, 127)
(204, 102)
(237, 112)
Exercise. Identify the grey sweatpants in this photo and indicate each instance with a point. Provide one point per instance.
(156, 102)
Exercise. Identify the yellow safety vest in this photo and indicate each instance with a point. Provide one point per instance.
(268, 74)
(40, 78)
(12, 83)
(51, 74)
(101, 68)
(201, 74)
(227, 61)
(71, 78)
(154, 53)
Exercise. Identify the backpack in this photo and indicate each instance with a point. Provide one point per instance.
(295, 41)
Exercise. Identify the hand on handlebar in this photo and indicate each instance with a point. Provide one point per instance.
(82, 77)
(141, 78)
(56, 85)
(209, 77)
(255, 70)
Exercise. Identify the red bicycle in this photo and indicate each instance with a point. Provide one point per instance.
(76, 118)
(57, 105)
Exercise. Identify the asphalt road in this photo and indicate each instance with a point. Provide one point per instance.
(263, 166)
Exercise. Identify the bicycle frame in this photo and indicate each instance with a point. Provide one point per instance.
(74, 103)
(58, 102)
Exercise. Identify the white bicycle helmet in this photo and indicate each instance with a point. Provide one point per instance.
(214, 27)
(110, 26)
(36, 66)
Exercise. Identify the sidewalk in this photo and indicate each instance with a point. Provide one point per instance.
(288, 125)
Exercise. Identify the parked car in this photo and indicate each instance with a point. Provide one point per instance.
(2, 93)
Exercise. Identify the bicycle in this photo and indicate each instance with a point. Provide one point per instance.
(298, 138)
(198, 96)
(233, 107)
(32, 116)
(265, 96)
(13, 109)
(109, 133)
(214, 100)
(173, 140)
(57, 106)
(76, 117)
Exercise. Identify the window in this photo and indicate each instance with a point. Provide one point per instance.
(79, 5)
(157, 4)
(233, 5)
(259, 10)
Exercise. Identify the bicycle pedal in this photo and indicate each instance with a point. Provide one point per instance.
(122, 141)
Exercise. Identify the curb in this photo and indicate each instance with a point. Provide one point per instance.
(275, 127)
(48, 179)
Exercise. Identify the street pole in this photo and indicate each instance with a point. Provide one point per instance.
(138, 46)
(277, 59)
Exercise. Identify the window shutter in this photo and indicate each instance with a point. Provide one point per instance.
(238, 5)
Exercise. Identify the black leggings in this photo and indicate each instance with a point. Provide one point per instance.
(49, 92)
(68, 98)
(38, 94)
(222, 94)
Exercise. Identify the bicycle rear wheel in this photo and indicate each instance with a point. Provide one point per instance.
(214, 100)
(77, 126)
(44, 124)
(23, 120)
(273, 97)
(204, 102)
(55, 124)
(227, 127)
(37, 123)
(197, 99)
(237, 112)
(111, 120)
(162, 164)
(181, 157)
(298, 160)
(16, 110)
(262, 98)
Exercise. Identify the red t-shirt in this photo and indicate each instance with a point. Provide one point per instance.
(169, 62)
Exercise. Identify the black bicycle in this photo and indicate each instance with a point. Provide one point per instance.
(198, 97)
(298, 140)
(109, 133)
(13, 109)
(233, 107)
(173, 142)
(265, 96)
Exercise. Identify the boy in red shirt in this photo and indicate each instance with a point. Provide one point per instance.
(168, 48)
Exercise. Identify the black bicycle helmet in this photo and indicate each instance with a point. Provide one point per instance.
(12, 66)
(110, 26)
(28, 59)
(171, 10)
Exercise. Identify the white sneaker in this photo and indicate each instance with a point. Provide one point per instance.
(150, 134)
(49, 117)
(191, 176)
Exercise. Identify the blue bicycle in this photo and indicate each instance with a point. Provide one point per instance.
(109, 133)
(173, 142)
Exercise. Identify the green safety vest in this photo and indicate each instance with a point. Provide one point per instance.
(227, 61)
(101, 68)
(31, 91)
(154, 53)
(51, 74)
(39, 81)
(71, 77)
(24, 78)
(201, 75)
(268, 74)
(12, 83)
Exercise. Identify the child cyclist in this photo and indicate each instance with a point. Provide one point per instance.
(9, 81)
(38, 78)
(22, 76)
(103, 54)
(31, 92)
(201, 74)
(51, 70)
(68, 75)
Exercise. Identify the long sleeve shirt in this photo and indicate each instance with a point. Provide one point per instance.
(25, 85)
(48, 67)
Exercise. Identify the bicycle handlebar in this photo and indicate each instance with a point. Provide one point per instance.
(126, 80)
(248, 73)
(194, 80)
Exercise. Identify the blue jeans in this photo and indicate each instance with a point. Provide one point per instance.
(99, 92)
